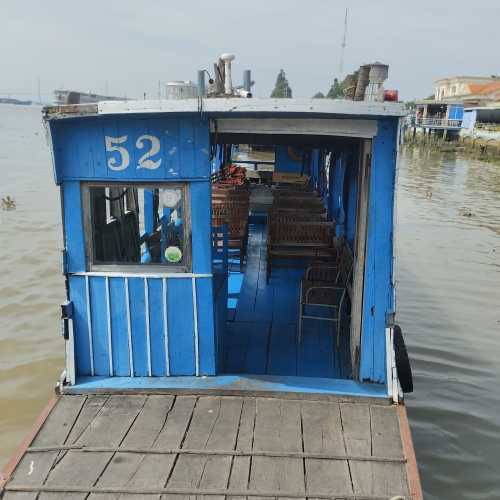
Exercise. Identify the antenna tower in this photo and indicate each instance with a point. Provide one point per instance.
(342, 48)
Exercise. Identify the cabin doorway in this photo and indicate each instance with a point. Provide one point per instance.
(294, 209)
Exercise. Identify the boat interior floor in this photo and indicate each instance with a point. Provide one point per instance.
(261, 335)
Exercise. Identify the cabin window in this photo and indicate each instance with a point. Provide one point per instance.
(137, 225)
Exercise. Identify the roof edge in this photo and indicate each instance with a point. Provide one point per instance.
(232, 106)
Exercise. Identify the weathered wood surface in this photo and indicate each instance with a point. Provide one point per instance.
(178, 447)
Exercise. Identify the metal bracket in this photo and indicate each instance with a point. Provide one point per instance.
(390, 319)
(66, 315)
(64, 261)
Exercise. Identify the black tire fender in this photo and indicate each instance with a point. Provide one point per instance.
(403, 366)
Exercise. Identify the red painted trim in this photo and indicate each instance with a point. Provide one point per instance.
(18, 455)
(409, 452)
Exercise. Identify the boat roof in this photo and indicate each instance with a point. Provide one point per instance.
(241, 107)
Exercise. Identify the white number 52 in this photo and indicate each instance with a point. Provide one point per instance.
(111, 147)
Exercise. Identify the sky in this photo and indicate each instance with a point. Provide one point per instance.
(126, 47)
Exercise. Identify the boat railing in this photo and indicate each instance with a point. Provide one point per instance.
(438, 122)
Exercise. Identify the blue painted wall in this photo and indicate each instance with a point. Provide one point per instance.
(285, 163)
(80, 150)
(352, 198)
(102, 344)
(378, 288)
(135, 360)
(456, 112)
(336, 205)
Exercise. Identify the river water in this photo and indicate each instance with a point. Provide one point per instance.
(448, 272)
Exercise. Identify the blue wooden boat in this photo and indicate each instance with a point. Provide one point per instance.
(262, 361)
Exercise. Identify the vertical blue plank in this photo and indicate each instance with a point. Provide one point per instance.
(202, 147)
(206, 329)
(337, 195)
(138, 326)
(181, 326)
(352, 171)
(170, 143)
(201, 226)
(73, 227)
(78, 296)
(119, 327)
(148, 212)
(221, 319)
(378, 269)
(99, 325)
(187, 147)
(157, 333)
(285, 163)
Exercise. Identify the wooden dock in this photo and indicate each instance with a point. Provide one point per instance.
(176, 446)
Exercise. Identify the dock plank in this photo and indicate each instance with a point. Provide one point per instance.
(108, 428)
(144, 431)
(34, 467)
(364, 427)
(214, 427)
(154, 470)
(240, 468)
(322, 433)
(277, 428)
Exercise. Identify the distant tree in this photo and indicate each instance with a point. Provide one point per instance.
(319, 95)
(410, 104)
(281, 88)
(430, 98)
(336, 90)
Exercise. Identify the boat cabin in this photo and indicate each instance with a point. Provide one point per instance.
(229, 322)
(189, 265)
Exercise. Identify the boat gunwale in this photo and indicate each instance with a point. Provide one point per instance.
(10, 467)
(414, 483)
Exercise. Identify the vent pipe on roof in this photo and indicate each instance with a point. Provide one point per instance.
(228, 84)
(247, 80)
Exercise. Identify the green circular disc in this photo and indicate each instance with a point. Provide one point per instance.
(173, 255)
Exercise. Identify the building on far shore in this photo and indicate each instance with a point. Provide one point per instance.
(444, 114)
(469, 90)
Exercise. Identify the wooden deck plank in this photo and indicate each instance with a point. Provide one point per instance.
(154, 470)
(277, 428)
(34, 467)
(93, 405)
(391, 478)
(356, 426)
(386, 435)
(370, 478)
(108, 428)
(144, 431)
(214, 427)
(240, 469)
(322, 433)
(217, 423)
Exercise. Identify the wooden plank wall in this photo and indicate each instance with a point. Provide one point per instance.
(378, 287)
(80, 152)
(103, 350)
(121, 321)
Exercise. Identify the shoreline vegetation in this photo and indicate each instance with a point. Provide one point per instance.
(472, 147)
